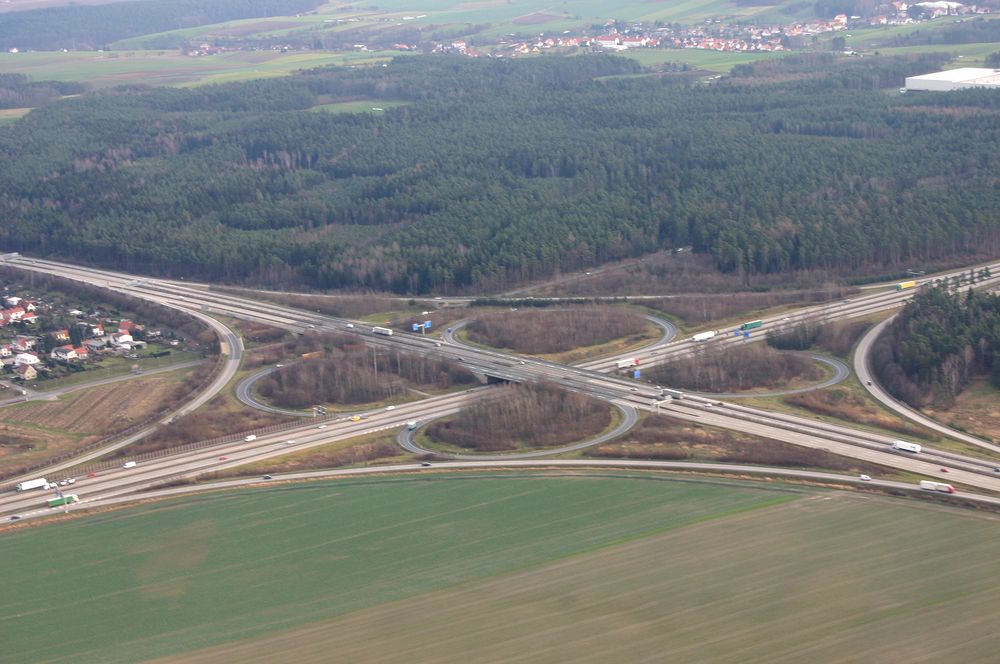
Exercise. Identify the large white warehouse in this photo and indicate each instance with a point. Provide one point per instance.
(955, 79)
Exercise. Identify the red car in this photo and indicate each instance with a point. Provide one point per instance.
(91, 474)
(223, 458)
(944, 470)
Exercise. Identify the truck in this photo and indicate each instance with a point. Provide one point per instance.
(67, 499)
(751, 324)
(903, 285)
(250, 438)
(673, 394)
(411, 425)
(703, 336)
(927, 485)
(625, 364)
(382, 330)
(40, 483)
(904, 446)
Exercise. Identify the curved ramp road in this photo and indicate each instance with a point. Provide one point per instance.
(863, 371)
(840, 373)
(630, 416)
(244, 392)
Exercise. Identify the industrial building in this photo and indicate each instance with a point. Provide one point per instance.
(955, 79)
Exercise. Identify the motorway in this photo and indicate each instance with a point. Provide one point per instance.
(110, 500)
(587, 379)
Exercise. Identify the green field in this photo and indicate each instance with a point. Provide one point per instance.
(169, 67)
(488, 568)
(184, 574)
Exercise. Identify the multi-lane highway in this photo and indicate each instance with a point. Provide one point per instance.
(588, 379)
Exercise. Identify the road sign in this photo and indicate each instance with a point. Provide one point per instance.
(416, 326)
(746, 334)
(427, 325)
(637, 374)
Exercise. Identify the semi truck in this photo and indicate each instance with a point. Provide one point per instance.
(904, 446)
(67, 499)
(927, 485)
(40, 483)
(751, 324)
(903, 285)
(703, 336)
(625, 364)
(382, 330)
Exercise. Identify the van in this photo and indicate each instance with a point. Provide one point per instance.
(128, 464)
(250, 438)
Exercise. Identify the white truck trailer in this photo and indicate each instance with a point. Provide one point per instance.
(927, 485)
(904, 446)
(28, 485)
(703, 336)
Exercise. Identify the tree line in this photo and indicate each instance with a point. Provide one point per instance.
(496, 173)
(939, 342)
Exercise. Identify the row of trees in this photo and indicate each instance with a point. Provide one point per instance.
(499, 172)
(939, 342)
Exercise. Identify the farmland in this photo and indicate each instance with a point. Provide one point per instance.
(544, 567)
(167, 67)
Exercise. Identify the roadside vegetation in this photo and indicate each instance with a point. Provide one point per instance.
(847, 405)
(545, 331)
(663, 438)
(835, 337)
(529, 415)
(736, 369)
(348, 371)
(938, 344)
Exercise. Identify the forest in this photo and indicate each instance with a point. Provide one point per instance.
(939, 342)
(498, 172)
(16, 91)
(81, 27)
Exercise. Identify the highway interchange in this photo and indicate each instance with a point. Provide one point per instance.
(590, 378)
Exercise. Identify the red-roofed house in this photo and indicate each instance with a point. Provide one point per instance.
(63, 353)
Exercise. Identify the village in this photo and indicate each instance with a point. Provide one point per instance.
(40, 341)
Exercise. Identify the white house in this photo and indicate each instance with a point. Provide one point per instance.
(63, 353)
(12, 300)
(25, 358)
(121, 340)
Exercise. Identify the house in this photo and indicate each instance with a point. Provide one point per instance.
(121, 340)
(81, 353)
(126, 325)
(12, 315)
(12, 300)
(29, 317)
(75, 312)
(25, 358)
(95, 344)
(6, 350)
(29, 306)
(63, 353)
(25, 372)
(92, 329)
(23, 342)
(61, 335)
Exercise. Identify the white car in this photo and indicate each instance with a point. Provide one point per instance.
(390, 408)
(865, 478)
(128, 464)
(350, 325)
(322, 426)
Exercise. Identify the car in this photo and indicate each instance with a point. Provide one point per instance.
(268, 477)
(461, 359)
(869, 382)
(322, 426)
(223, 458)
(278, 366)
(997, 469)
(944, 470)
(355, 418)
(15, 517)
(390, 408)
(91, 474)
(437, 343)
(289, 442)
(523, 362)
(70, 480)
(708, 405)
(633, 389)
(129, 464)
(425, 464)
(63, 482)
(312, 326)
(350, 326)
(865, 478)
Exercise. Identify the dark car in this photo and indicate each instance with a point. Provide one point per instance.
(268, 477)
